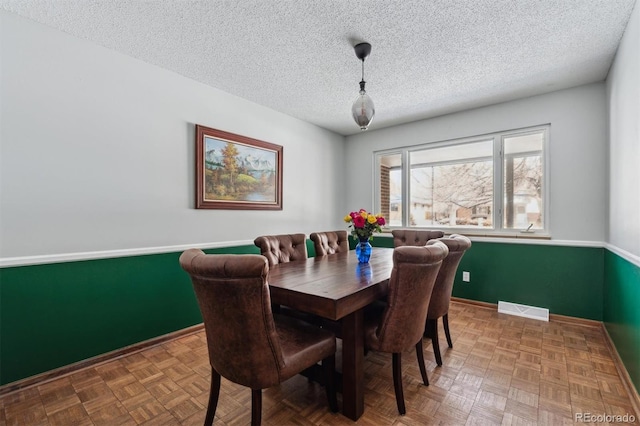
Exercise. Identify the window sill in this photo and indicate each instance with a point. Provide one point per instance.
(520, 235)
(469, 233)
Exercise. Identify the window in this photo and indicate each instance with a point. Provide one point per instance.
(493, 182)
(523, 179)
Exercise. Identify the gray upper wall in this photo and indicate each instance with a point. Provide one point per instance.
(623, 95)
(98, 152)
(577, 156)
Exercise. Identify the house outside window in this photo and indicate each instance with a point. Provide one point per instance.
(494, 183)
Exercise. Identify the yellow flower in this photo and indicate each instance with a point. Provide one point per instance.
(347, 218)
(364, 214)
(372, 219)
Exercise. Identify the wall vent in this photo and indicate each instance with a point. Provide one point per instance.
(532, 312)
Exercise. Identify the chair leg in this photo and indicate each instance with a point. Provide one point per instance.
(445, 323)
(256, 407)
(329, 367)
(420, 355)
(432, 331)
(397, 382)
(214, 393)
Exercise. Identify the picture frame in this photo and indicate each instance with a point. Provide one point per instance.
(237, 172)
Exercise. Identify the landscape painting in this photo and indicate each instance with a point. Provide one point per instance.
(237, 172)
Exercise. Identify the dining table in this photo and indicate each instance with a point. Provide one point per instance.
(337, 287)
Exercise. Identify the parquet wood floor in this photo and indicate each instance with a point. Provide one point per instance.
(502, 370)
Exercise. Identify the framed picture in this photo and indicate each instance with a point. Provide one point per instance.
(237, 172)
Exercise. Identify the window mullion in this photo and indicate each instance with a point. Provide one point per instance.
(406, 192)
(498, 197)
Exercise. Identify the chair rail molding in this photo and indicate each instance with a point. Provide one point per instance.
(8, 262)
(630, 257)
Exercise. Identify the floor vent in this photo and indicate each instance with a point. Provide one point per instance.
(532, 312)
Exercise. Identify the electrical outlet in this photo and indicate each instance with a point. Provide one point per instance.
(466, 276)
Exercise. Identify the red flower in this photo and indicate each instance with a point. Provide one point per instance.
(381, 221)
(358, 221)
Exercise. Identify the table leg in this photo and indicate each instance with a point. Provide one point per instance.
(352, 365)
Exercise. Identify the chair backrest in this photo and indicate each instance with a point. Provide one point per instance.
(330, 242)
(412, 278)
(282, 248)
(413, 237)
(441, 295)
(233, 296)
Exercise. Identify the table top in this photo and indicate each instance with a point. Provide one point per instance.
(331, 286)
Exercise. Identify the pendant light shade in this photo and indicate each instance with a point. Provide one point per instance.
(363, 109)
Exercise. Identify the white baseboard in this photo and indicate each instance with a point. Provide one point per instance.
(532, 312)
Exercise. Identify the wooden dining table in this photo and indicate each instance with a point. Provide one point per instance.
(337, 287)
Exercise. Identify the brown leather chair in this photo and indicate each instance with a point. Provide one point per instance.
(282, 248)
(330, 242)
(326, 243)
(400, 325)
(247, 344)
(413, 237)
(441, 296)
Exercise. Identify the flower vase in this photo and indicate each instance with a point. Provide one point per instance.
(363, 250)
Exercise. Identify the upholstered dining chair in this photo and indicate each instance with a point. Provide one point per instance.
(400, 324)
(282, 248)
(327, 243)
(414, 237)
(330, 242)
(247, 344)
(441, 296)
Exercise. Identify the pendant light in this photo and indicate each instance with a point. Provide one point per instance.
(363, 109)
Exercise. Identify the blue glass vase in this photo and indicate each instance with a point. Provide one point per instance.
(363, 250)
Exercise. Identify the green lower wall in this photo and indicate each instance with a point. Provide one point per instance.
(565, 280)
(57, 314)
(622, 310)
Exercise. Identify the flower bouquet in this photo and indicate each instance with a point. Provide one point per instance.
(363, 224)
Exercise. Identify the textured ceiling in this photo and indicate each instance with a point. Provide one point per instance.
(428, 57)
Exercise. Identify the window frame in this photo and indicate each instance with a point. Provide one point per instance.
(498, 158)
